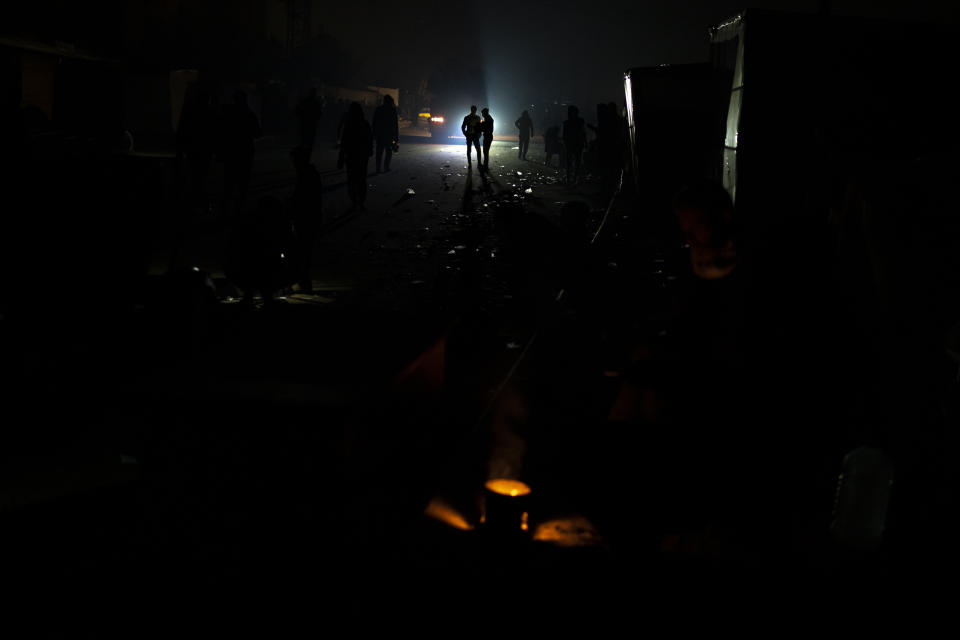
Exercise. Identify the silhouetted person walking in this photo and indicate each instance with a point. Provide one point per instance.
(525, 125)
(486, 127)
(471, 130)
(574, 142)
(386, 130)
(240, 128)
(195, 141)
(552, 145)
(356, 146)
(307, 213)
(608, 157)
(309, 111)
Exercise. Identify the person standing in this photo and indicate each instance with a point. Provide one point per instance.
(471, 130)
(386, 130)
(307, 214)
(195, 141)
(356, 146)
(552, 146)
(241, 128)
(309, 112)
(486, 128)
(574, 142)
(525, 125)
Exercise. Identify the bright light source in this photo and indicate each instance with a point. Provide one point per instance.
(424, 115)
(436, 119)
(505, 487)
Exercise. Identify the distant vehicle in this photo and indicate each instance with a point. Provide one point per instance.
(453, 89)
(443, 125)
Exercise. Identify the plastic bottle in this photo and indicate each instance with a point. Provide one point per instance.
(863, 495)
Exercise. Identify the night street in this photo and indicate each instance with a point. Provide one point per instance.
(688, 337)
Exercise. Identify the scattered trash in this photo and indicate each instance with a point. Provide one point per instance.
(411, 192)
(514, 148)
(519, 173)
(528, 190)
(460, 247)
(451, 252)
(431, 201)
(513, 345)
(612, 265)
(418, 282)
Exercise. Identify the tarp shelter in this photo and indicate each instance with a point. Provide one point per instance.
(815, 98)
(672, 116)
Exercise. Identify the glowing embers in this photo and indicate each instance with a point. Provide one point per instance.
(572, 531)
(438, 509)
(506, 505)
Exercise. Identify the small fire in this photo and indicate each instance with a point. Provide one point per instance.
(507, 487)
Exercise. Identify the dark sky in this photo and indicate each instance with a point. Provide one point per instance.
(571, 50)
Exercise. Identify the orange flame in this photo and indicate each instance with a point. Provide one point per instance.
(507, 487)
(440, 510)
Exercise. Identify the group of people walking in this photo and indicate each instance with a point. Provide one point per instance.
(473, 128)
(230, 133)
(357, 140)
(569, 143)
